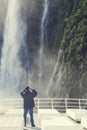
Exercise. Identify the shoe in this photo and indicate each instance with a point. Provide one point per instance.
(33, 125)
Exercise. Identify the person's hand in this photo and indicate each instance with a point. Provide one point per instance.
(24, 90)
(30, 90)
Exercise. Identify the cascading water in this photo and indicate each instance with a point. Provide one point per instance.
(56, 78)
(43, 23)
(5, 1)
(42, 38)
(11, 70)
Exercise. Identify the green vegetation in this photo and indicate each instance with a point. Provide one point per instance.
(64, 11)
(71, 32)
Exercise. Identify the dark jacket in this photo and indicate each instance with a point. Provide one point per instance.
(28, 98)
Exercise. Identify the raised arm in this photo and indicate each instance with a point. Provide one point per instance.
(34, 92)
(22, 93)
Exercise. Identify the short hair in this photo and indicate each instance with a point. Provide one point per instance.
(27, 87)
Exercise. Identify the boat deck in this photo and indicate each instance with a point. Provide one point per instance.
(49, 114)
(38, 127)
(46, 117)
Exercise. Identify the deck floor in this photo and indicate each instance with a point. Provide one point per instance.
(37, 124)
(28, 127)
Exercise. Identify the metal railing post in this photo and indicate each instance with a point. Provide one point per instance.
(79, 104)
(38, 104)
(65, 104)
(52, 103)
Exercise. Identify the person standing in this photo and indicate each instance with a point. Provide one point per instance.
(28, 95)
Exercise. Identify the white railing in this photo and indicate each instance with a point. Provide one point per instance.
(61, 104)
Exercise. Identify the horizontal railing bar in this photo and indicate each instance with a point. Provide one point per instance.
(52, 103)
(44, 98)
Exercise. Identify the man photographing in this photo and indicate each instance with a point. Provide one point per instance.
(28, 95)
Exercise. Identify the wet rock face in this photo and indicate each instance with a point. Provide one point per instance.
(69, 82)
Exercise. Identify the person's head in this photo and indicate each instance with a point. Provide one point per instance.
(27, 88)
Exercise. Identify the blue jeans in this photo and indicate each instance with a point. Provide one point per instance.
(30, 110)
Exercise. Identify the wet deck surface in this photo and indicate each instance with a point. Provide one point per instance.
(38, 126)
(12, 113)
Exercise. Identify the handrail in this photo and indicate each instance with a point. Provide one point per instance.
(61, 104)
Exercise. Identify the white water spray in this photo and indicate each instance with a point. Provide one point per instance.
(42, 37)
(56, 78)
(43, 23)
(14, 35)
(5, 1)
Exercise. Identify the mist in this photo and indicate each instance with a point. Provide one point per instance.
(21, 62)
(12, 72)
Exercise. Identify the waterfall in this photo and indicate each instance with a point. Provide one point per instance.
(56, 78)
(5, 1)
(42, 37)
(11, 69)
(43, 23)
